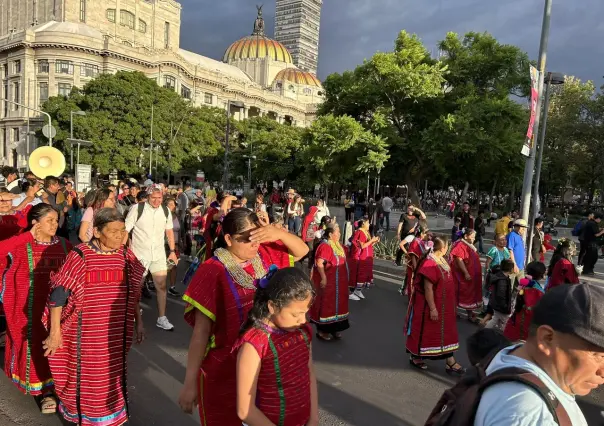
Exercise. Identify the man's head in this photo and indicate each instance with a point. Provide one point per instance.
(566, 337)
(51, 184)
(156, 196)
(538, 223)
(457, 221)
(507, 266)
(466, 207)
(69, 186)
(520, 226)
(9, 173)
(590, 215)
(598, 217)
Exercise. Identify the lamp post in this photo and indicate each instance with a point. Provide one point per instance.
(34, 110)
(225, 177)
(556, 79)
(80, 113)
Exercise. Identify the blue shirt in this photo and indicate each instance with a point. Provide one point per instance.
(516, 246)
(515, 404)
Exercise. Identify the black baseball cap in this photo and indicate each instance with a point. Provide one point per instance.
(576, 309)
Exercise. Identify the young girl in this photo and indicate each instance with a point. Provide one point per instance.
(361, 259)
(272, 387)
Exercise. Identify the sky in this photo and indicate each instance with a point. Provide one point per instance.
(353, 30)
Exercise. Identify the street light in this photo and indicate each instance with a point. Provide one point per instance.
(80, 113)
(555, 79)
(249, 168)
(225, 177)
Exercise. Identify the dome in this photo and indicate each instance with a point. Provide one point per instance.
(257, 45)
(297, 76)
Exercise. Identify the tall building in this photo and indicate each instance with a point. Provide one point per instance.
(47, 47)
(297, 27)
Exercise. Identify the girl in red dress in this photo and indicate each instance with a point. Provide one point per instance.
(214, 214)
(273, 384)
(531, 291)
(431, 326)
(415, 251)
(33, 256)
(361, 260)
(330, 276)
(561, 268)
(218, 299)
(467, 273)
(92, 309)
(309, 228)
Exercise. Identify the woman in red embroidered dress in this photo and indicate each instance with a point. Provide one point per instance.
(467, 272)
(431, 326)
(92, 310)
(415, 251)
(211, 226)
(361, 260)
(273, 387)
(33, 256)
(561, 269)
(309, 228)
(330, 276)
(218, 300)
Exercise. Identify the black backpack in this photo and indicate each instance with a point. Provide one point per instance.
(458, 405)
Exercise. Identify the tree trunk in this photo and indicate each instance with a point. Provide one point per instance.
(464, 194)
(493, 193)
(412, 187)
(478, 194)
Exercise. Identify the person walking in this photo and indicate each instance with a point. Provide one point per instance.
(561, 269)
(538, 247)
(591, 232)
(151, 225)
(361, 260)
(481, 231)
(516, 246)
(387, 204)
(467, 273)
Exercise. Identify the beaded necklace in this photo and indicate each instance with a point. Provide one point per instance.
(239, 275)
(337, 248)
(366, 234)
(441, 262)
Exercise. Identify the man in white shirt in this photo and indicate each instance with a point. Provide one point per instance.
(150, 229)
(387, 206)
(12, 179)
(565, 349)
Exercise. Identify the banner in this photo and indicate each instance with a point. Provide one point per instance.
(83, 177)
(528, 144)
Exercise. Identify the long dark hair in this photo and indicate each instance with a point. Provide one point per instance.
(285, 286)
(235, 222)
(563, 251)
(100, 197)
(37, 212)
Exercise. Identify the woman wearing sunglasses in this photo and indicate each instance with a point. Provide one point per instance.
(219, 298)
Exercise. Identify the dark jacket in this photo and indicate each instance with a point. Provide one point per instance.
(501, 292)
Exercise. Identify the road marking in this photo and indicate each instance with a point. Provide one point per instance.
(387, 279)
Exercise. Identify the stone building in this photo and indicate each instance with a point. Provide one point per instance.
(47, 47)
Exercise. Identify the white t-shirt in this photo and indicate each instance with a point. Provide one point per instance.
(148, 233)
(515, 404)
(387, 204)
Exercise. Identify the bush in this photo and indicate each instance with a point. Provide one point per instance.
(386, 248)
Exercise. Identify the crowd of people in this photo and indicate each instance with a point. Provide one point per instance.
(75, 268)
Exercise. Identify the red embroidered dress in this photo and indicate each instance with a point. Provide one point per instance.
(97, 325)
(427, 338)
(283, 391)
(469, 293)
(416, 249)
(24, 293)
(361, 260)
(214, 292)
(330, 309)
(564, 272)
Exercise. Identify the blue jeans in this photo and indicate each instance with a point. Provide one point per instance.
(294, 224)
(387, 219)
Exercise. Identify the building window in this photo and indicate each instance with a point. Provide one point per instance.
(208, 98)
(16, 94)
(307, 91)
(89, 70)
(111, 15)
(169, 82)
(16, 135)
(64, 89)
(127, 18)
(127, 43)
(6, 97)
(43, 66)
(5, 70)
(142, 26)
(185, 92)
(64, 67)
(82, 10)
(167, 35)
(17, 67)
(43, 92)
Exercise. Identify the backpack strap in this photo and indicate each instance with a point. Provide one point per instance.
(514, 374)
(166, 211)
(141, 209)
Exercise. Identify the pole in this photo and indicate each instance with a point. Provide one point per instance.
(27, 140)
(530, 161)
(151, 147)
(71, 133)
(540, 148)
(225, 177)
(169, 161)
(35, 110)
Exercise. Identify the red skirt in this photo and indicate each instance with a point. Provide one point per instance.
(218, 389)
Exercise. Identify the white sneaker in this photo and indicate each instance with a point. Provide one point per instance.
(164, 324)
(359, 294)
(353, 296)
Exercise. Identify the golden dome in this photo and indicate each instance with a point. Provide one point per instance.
(257, 45)
(297, 76)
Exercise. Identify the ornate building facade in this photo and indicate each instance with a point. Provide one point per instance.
(47, 47)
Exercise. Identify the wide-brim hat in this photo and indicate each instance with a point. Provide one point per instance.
(291, 191)
(521, 223)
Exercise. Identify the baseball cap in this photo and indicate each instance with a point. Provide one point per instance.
(576, 309)
(521, 222)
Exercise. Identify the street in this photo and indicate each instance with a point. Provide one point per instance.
(364, 379)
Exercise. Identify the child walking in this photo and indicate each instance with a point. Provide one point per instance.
(276, 383)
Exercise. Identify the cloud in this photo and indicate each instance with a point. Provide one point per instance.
(353, 30)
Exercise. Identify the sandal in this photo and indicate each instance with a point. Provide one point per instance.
(454, 369)
(48, 405)
(325, 338)
(419, 364)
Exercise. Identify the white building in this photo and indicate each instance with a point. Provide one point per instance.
(297, 27)
(48, 47)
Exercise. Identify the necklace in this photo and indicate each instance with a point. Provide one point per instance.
(241, 277)
(337, 248)
(366, 234)
(441, 262)
(472, 246)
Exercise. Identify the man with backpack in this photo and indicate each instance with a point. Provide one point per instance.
(536, 382)
(150, 225)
